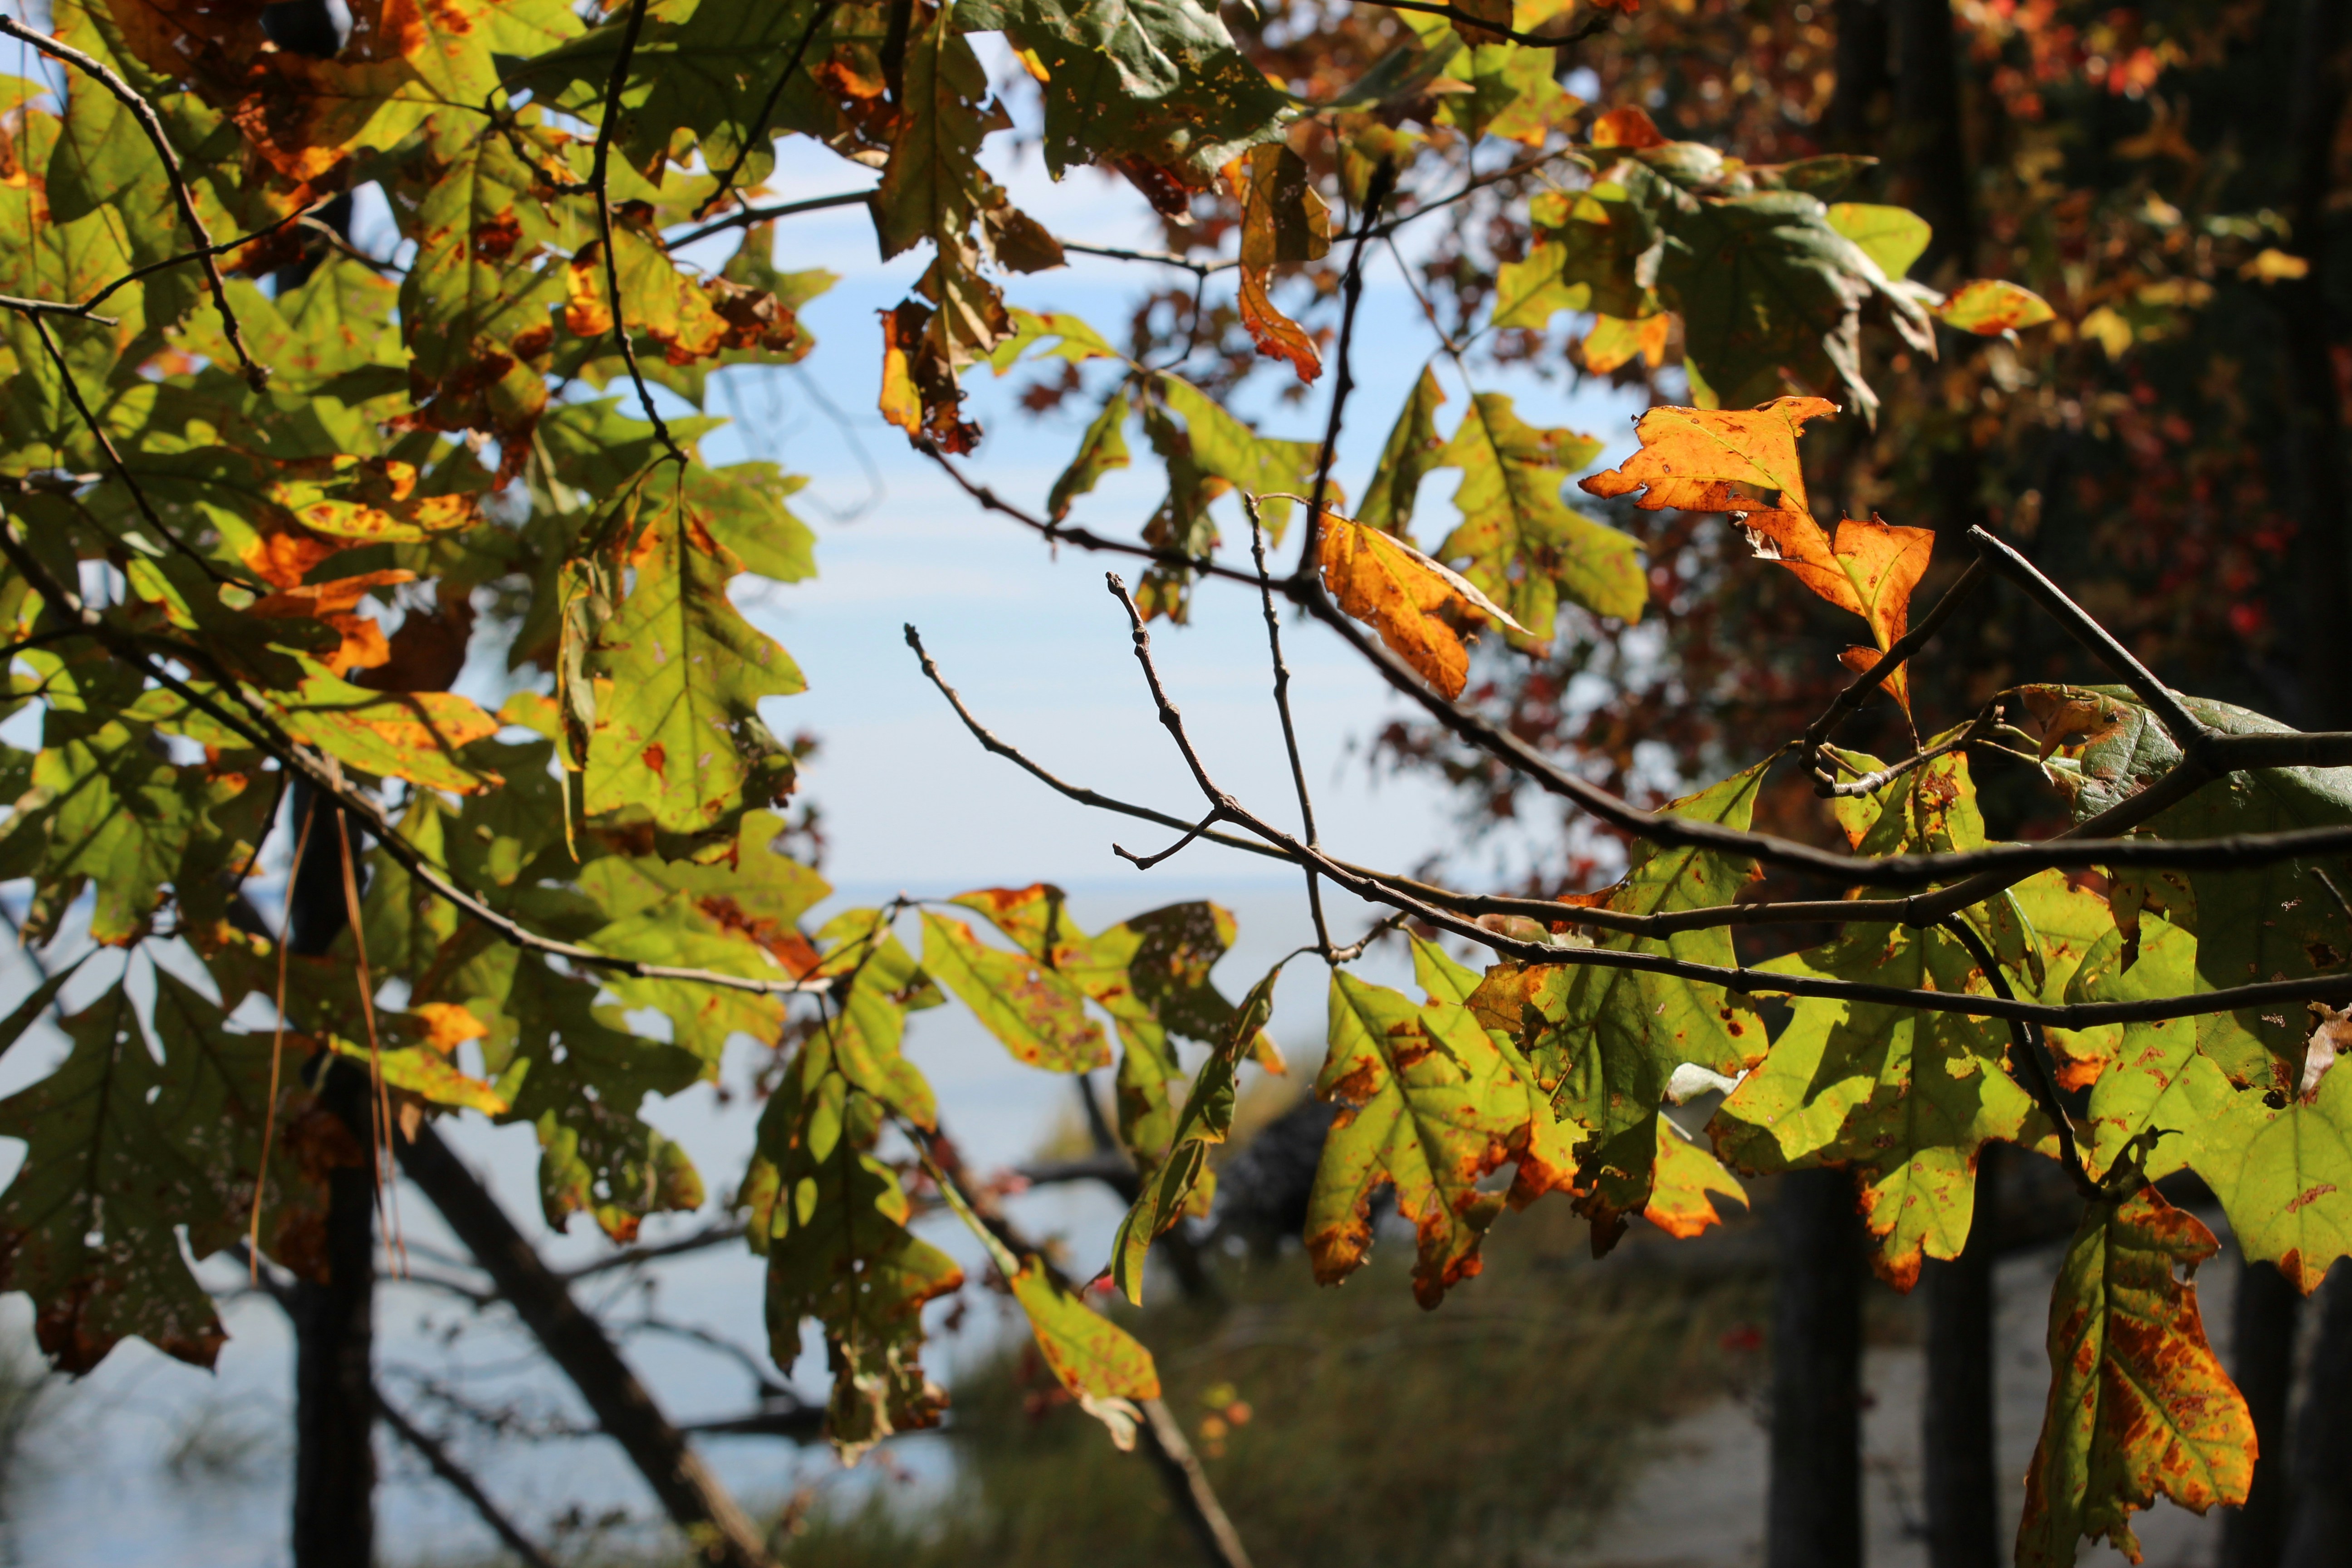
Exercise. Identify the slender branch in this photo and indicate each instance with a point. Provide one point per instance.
(56, 308)
(461, 1480)
(1198, 268)
(40, 639)
(1739, 979)
(759, 130)
(113, 454)
(1351, 294)
(745, 217)
(1591, 24)
(1144, 862)
(599, 171)
(149, 121)
(630, 1257)
(1842, 707)
(1872, 783)
(2027, 1053)
(1282, 706)
(1084, 539)
(2187, 732)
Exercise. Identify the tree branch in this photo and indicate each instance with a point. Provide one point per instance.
(2027, 1051)
(1592, 25)
(746, 216)
(144, 112)
(1843, 705)
(599, 168)
(1282, 686)
(767, 106)
(1351, 294)
(430, 1450)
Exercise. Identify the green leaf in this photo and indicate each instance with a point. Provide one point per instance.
(1093, 1357)
(1904, 1098)
(122, 1151)
(1606, 1043)
(1038, 1014)
(2139, 1403)
(933, 185)
(1893, 237)
(679, 674)
(1414, 449)
(1430, 1103)
(1073, 340)
(1207, 1119)
(1988, 307)
(1518, 540)
(1530, 292)
(2269, 922)
(1157, 81)
(839, 1251)
(1102, 449)
(1225, 449)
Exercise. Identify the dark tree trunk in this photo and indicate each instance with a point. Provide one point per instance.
(1929, 152)
(1963, 1489)
(1859, 105)
(1815, 1510)
(2320, 1532)
(2262, 1349)
(334, 1398)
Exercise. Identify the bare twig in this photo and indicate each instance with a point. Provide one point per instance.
(599, 168)
(151, 123)
(712, 1235)
(2187, 732)
(759, 130)
(1351, 294)
(1591, 24)
(1059, 534)
(1843, 706)
(1282, 706)
(254, 726)
(1164, 1442)
(1198, 268)
(461, 1481)
(1144, 862)
(114, 456)
(2027, 1053)
(746, 216)
(1872, 783)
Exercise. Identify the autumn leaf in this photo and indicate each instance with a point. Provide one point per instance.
(1413, 450)
(1686, 1183)
(1628, 128)
(1430, 1102)
(1038, 1014)
(1988, 307)
(1407, 598)
(1206, 1120)
(1091, 1356)
(2139, 1407)
(1283, 221)
(1701, 460)
(1521, 543)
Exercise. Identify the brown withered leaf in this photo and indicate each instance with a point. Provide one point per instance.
(1415, 603)
(1629, 128)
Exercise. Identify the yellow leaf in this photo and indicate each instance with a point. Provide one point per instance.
(1613, 342)
(2109, 330)
(1685, 1175)
(1407, 598)
(2273, 265)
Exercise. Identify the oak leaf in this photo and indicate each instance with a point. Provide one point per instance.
(1414, 603)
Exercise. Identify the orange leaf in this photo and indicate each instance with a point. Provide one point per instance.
(1407, 598)
(1283, 220)
(1627, 128)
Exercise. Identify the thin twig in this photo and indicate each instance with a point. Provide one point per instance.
(252, 726)
(1740, 979)
(759, 130)
(1059, 534)
(1872, 783)
(1351, 294)
(746, 216)
(1282, 702)
(150, 123)
(1591, 24)
(1198, 268)
(461, 1481)
(2027, 1053)
(1144, 862)
(114, 456)
(630, 1257)
(1843, 705)
(599, 169)
(2187, 732)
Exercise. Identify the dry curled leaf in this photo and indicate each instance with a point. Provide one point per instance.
(1415, 603)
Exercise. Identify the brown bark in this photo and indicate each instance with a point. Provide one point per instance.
(1928, 149)
(2262, 1365)
(1962, 1484)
